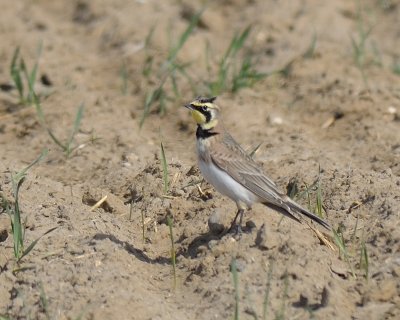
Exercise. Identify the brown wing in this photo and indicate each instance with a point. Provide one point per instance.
(230, 157)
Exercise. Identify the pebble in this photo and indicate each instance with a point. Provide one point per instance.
(339, 268)
(263, 240)
(215, 223)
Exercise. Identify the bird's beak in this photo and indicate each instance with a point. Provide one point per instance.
(189, 106)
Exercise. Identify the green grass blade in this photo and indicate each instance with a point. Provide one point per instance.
(151, 97)
(15, 72)
(165, 169)
(281, 314)
(353, 235)
(307, 191)
(148, 66)
(182, 70)
(173, 253)
(31, 78)
(338, 236)
(236, 44)
(364, 261)
(42, 120)
(339, 242)
(267, 290)
(143, 227)
(236, 286)
(34, 242)
(174, 83)
(40, 114)
(21, 174)
(16, 224)
(75, 128)
(33, 74)
(39, 111)
(239, 43)
(309, 53)
(56, 141)
(149, 37)
(319, 197)
(208, 56)
(185, 35)
(396, 68)
(123, 72)
(44, 302)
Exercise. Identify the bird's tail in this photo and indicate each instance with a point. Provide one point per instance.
(291, 209)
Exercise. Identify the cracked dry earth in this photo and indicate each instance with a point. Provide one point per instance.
(321, 114)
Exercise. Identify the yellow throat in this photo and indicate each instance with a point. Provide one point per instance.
(201, 120)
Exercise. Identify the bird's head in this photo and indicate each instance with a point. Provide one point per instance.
(204, 112)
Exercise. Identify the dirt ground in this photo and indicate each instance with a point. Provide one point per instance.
(326, 111)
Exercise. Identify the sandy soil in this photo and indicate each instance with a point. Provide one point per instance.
(95, 265)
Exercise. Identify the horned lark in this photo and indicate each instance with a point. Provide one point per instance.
(226, 166)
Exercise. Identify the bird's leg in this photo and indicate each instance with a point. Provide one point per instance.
(234, 225)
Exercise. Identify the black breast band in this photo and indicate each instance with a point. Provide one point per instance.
(204, 134)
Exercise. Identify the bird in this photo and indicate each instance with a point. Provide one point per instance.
(233, 172)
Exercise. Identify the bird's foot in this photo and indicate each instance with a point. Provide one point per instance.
(236, 229)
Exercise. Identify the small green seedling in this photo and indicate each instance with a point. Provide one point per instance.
(360, 44)
(165, 169)
(364, 261)
(309, 53)
(280, 315)
(396, 68)
(20, 74)
(18, 228)
(167, 71)
(44, 301)
(229, 76)
(123, 72)
(235, 277)
(267, 290)
(66, 146)
(343, 252)
(173, 252)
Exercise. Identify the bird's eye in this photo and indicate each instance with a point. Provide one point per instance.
(204, 108)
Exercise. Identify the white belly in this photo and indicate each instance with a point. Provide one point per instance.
(226, 185)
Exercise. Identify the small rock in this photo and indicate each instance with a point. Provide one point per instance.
(215, 222)
(250, 225)
(275, 120)
(261, 236)
(4, 227)
(264, 242)
(3, 235)
(212, 244)
(339, 268)
(392, 110)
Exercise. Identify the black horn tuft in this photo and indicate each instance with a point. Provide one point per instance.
(206, 100)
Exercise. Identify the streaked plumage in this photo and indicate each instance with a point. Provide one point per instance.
(226, 166)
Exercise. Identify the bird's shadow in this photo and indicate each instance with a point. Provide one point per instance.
(205, 238)
(191, 251)
(138, 253)
(201, 240)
